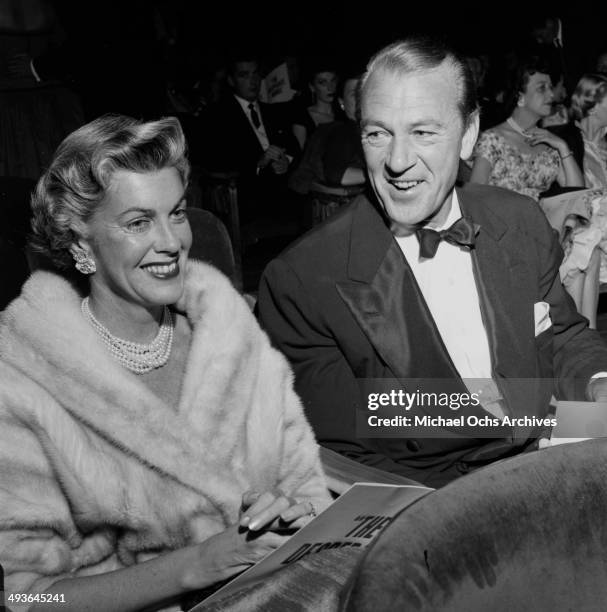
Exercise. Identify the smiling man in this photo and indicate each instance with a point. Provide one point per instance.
(427, 288)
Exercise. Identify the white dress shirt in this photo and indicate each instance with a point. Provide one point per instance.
(448, 286)
(260, 132)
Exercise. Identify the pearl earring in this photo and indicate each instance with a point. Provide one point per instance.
(84, 263)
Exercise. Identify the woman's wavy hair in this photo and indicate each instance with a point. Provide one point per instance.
(76, 182)
(590, 91)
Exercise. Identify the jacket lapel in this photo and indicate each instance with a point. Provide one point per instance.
(503, 283)
(384, 299)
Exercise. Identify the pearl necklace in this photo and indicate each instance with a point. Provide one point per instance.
(136, 357)
(516, 127)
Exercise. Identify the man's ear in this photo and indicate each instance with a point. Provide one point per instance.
(230, 81)
(470, 135)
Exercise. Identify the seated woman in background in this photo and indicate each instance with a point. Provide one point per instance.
(151, 439)
(333, 156)
(519, 155)
(323, 108)
(589, 111)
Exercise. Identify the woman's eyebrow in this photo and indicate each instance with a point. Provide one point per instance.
(152, 211)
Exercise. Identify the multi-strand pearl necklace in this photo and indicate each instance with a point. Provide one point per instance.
(139, 358)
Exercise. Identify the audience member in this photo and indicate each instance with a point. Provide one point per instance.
(322, 84)
(589, 110)
(35, 116)
(520, 155)
(332, 159)
(333, 155)
(560, 112)
(355, 300)
(601, 63)
(546, 40)
(245, 135)
(151, 440)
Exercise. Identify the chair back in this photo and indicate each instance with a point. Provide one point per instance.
(219, 194)
(527, 533)
(326, 200)
(211, 243)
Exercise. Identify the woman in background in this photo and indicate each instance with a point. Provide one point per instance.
(333, 158)
(151, 440)
(589, 111)
(322, 84)
(519, 155)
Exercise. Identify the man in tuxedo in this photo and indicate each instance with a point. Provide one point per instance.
(245, 135)
(373, 302)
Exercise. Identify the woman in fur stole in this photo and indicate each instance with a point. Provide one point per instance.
(146, 451)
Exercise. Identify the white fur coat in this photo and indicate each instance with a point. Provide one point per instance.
(96, 473)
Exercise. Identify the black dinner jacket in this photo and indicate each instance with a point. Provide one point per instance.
(230, 143)
(335, 303)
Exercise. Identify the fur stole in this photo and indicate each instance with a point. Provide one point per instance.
(98, 473)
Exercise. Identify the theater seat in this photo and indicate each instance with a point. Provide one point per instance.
(528, 533)
(211, 243)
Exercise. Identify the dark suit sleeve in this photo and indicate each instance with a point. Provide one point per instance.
(579, 352)
(324, 379)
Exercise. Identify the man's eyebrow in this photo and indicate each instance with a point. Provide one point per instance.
(375, 122)
(430, 121)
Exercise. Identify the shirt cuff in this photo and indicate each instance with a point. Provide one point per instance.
(33, 70)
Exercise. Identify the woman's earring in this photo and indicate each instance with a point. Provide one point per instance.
(520, 102)
(84, 263)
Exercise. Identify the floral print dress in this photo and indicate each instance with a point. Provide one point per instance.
(526, 173)
(531, 174)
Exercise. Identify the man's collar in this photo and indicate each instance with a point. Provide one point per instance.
(453, 215)
(245, 103)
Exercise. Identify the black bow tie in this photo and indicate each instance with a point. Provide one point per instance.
(462, 233)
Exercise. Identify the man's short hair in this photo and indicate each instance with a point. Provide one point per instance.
(241, 55)
(422, 53)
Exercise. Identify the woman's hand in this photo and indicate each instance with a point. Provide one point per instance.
(537, 135)
(228, 553)
(265, 517)
(273, 510)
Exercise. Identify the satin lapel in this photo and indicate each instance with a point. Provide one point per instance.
(384, 300)
(504, 285)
